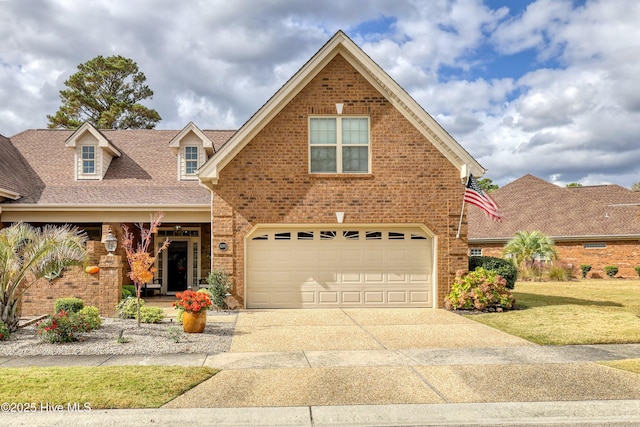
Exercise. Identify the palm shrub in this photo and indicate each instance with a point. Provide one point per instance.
(585, 269)
(611, 270)
(480, 290)
(28, 254)
(503, 267)
(528, 247)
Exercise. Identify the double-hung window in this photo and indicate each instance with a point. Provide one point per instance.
(191, 160)
(88, 159)
(339, 145)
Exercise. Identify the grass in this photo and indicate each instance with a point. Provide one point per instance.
(579, 312)
(100, 387)
(632, 365)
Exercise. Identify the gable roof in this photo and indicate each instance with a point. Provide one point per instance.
(342, 45)
(99, 136)
(207, 144)
(143, 177)
(563, 213)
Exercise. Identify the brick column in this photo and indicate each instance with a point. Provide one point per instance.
(110, 284)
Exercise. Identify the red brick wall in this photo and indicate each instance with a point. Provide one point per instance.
(623, 254)
(268, 181)
(102, 290)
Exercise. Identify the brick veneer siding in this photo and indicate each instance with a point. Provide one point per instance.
(625, 254)
(102, 290)
(268, 181)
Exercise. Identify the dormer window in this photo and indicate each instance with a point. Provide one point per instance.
(88, 159)
(93, 153)
(191, 160)
(192, 148)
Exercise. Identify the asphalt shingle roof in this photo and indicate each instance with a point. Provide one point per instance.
(530, 203)
(36, 164)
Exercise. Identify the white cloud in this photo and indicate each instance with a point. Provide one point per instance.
(574, 114)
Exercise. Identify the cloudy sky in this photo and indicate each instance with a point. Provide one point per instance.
(547, 87)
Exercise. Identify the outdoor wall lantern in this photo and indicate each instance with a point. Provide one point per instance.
(110, 242)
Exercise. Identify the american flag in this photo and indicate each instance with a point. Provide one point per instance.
(474, 195)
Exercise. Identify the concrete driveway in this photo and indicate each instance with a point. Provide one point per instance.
(334, 357)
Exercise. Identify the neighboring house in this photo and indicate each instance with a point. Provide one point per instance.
(99, 180)
(341, 191)
(595, 225)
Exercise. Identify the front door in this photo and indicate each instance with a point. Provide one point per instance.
(177, 266)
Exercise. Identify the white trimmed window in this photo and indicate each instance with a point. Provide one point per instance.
(190, 160)
(88, 159)
(339, 145)
(475, 252)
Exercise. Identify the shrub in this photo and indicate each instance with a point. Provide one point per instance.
(128, 308)
(637, 268)
(219, 286)
(90, 316)
(611, 270)
(128, 291)
(585, 268)
(559, 272)
(480, 290)
(503, 267)
(175, 333)
(150, 314)
(61, 327)
(70, 305)
(5, 333)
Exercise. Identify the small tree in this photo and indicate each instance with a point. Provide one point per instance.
(140, 260)
(28, 254)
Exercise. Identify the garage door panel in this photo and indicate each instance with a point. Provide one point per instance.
(332, 268)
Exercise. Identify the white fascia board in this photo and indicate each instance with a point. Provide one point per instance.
(413, 112)
(8, 194)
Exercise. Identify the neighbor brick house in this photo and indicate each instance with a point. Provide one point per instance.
(595, 225)
(341, 191)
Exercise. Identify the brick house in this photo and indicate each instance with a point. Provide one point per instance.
(339, 191)
(595, 225)
(102, 179)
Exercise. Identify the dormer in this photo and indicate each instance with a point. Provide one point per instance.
(193, 148)
(93, 152)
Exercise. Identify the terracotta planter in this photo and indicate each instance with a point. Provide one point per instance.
(194, 323)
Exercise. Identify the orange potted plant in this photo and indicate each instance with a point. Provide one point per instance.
(194, 306)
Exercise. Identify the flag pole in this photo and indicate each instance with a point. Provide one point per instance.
(462, 210)
(460, 223)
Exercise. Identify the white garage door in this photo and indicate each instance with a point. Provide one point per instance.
(369, 267)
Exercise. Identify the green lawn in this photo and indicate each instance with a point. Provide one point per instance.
(100, 387)
(580, 312)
